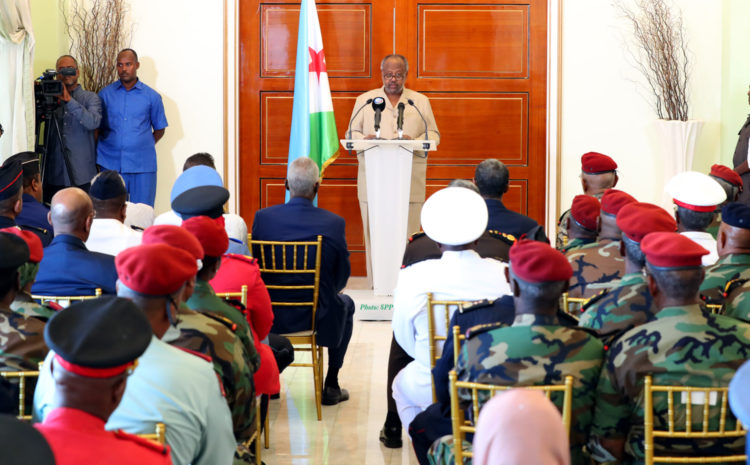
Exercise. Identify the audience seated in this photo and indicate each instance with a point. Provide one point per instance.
(68, 267)
(34, 214)
(732, 184)
(11, 192)
(683, 346)
(598, 173)
(139, 216)
(23, 303)
(629, 303)
(108, 234)
(90, 374)
(599, 264)
(169, 385)
(581, 222)
(28, 446)
(300, 220)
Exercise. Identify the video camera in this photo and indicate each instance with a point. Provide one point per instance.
(47, 88)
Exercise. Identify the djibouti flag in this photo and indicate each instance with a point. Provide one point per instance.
(313, 131)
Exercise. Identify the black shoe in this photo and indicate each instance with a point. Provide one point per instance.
(332, 395)
(390, 436)
(275, 396)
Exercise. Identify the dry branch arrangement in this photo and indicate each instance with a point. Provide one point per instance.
(661, 54)
(97, 32)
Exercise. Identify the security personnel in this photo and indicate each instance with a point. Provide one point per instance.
(169, 385)
(23, 303)
(582, 223)
(537, 348)
(696, 196)
(598, 173)
(682, 346)
(600, 263)
(90, 374)
(732, 184)
(34, 214)
(629, 303)
(11, 201)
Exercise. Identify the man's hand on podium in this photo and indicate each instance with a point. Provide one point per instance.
(405, 137)
(370, 136)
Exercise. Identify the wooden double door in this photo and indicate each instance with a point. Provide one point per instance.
(483, 65)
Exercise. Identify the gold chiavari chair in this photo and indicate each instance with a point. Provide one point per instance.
(242, 295)
(66, 300)
(572, 305)
(435, 338)
(159, 435)
(22, 377)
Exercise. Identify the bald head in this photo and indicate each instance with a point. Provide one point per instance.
(71, 212)
(594, 184)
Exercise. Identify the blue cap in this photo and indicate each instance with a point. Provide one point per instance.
(739, 394)
(198, 191)
(107, 185)
(736, 214)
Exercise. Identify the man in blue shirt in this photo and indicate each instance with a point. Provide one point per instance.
(71, 156)
(132, 124)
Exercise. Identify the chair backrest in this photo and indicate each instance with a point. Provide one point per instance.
(159, 435)
(572, 305)
(444, 306)
(462, 425)
(458, 340)
(288, 259)
(242, 295)
(691, 399)
(66, 300)
(21, 376)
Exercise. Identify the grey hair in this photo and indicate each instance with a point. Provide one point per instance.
(395, 55)
(302, 176)
(465, 183)
(548, 291)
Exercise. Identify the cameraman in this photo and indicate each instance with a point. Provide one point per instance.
(72, 153)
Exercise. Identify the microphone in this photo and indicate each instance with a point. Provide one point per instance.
(411, 102)
(349, 132)
(400, 120)
(378, 104)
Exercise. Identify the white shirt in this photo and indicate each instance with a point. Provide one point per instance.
(110, 236)
(458, 275)
(706, 241)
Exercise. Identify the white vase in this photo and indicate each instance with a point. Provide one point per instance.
(678, 140)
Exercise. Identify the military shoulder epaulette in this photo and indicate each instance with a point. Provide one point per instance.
(505, 237)
(147, 443)
(483, 328)
(596, 298)
(28, 227)
(223, 320)
(416, 235)
(733, 284)
(473, 305)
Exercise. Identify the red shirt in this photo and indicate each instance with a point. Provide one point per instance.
(77, 437)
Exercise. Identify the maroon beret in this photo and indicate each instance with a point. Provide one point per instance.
(638, 219)
(155, 269)
(613, 200)
(212, 235)
(36, 251)
(596, 163)
(176, 237)
(585, 210)
(537, 262)
(672, 250)
(727, 174)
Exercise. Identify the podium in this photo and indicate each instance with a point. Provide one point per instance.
(388, 170)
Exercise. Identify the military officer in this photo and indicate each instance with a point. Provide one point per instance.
(22, 344)
(582, 223)
(732, 184)
(598, 173)
(600, 263)
(34, 214)
(629, 303)
(696, 196)
(11, 201)
(537, 348)
(90, 374)
(683, 346)
(169, 385)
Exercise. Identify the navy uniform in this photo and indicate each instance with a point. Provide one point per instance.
(503, 220)
(11, 182)
(75, 435)
(33, 216)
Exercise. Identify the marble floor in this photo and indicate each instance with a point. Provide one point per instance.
(348, 432)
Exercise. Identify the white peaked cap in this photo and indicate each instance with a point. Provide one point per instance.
(695, 191)
(454, 216)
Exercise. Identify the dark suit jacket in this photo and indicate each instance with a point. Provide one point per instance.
(507, 221)
(34, 218)
(69, 268)
(740, 155)
(300, 220)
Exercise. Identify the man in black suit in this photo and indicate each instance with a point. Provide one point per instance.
(300, 220)
(491, 177)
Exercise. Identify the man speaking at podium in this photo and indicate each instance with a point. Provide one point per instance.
(406, 113)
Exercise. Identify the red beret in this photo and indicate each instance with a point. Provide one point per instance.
(727, 174)
(537, 262)
(585, 210)
(36, 251)
(613, 200)
(212, 235)
(176, 237)
(672, 250)
(155, 269)
(638, 219)
(235, 270)
(596, 163)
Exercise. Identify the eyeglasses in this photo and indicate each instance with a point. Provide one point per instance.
(390, 76)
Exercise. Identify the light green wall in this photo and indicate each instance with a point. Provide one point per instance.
(49, 34)
(735, 78)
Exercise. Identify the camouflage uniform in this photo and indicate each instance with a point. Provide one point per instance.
(728, 268)
(576, 244)
(682, 346)
(536, 349)
(25, 305)
(618, 309)
(599, 263)
(562, 241)
(22, 344)
(211, 335)
(737, 304)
